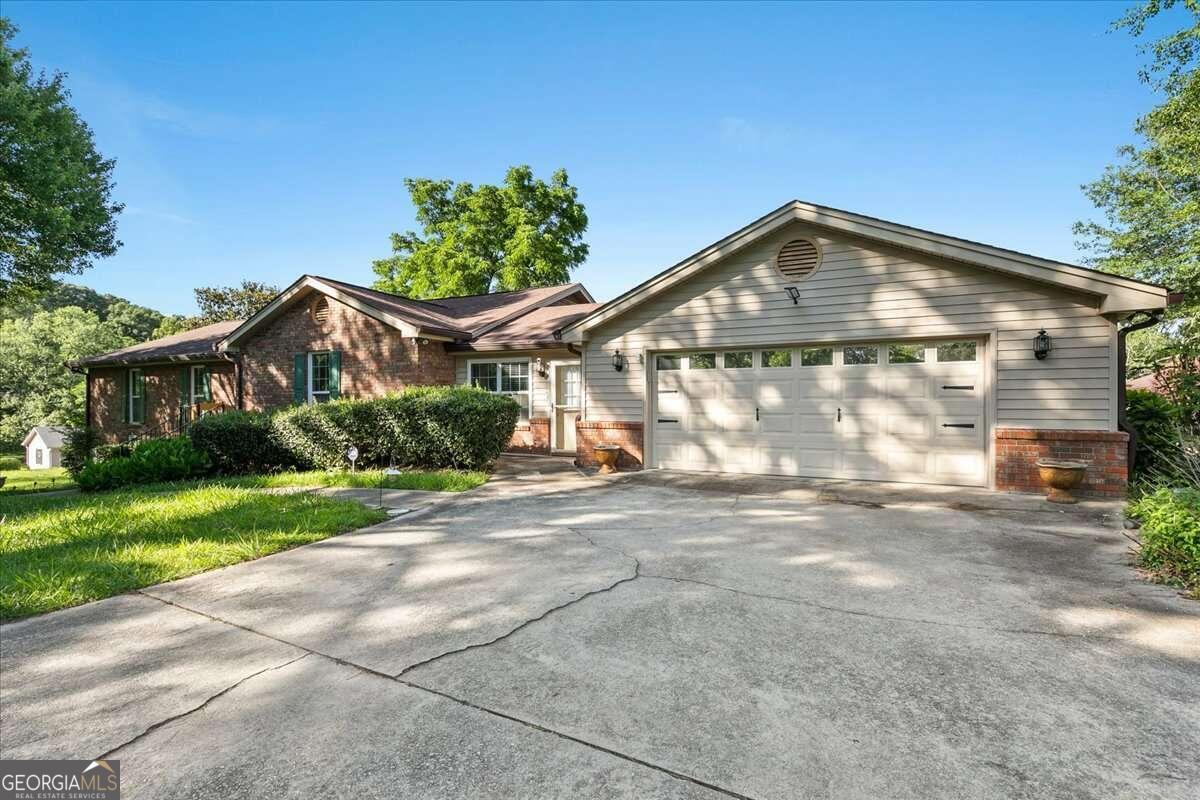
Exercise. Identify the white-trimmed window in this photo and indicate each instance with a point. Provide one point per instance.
(200, 388)
(135, 392)
(319, 377)
(511, 378)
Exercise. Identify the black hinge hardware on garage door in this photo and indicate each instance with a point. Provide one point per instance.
(967, 388)
(958, 424)
(667, 420)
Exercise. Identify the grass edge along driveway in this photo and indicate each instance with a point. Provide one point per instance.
(57, 552)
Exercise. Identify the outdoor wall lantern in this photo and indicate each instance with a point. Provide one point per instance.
(539, 366)
(794, 293)
(1042, 345)
(618, 361)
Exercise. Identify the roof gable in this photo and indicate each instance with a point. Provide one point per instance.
(1113, 294)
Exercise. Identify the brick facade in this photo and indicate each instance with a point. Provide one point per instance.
(163, 400)
(589, 433)
(531, 437)
(376, 359)
(1105, 453)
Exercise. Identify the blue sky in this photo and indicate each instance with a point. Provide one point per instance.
(265, 141)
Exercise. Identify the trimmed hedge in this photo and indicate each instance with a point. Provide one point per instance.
(432, 427)
(427, 426)
(238, 442)
(1170, 535)
(151, 461)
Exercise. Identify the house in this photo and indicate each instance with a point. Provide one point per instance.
(43, 447)
(812, 342)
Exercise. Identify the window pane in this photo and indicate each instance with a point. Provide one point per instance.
(483, 376)
(666, 362)
(703, 361)
(320, 372)
(571, 386)
(956, 351)
(776, 358)
(860, 355)
(906, 353)
(742, 360)
(816, 356)
(514, 376)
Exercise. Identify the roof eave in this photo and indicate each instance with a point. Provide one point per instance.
(1113, 294)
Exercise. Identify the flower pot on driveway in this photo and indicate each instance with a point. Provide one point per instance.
(607, 454)
(1061, 477)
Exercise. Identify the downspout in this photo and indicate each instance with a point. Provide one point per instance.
(1153, 318)
(238, 381)
(87, 397)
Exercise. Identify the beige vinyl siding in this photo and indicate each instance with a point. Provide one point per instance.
(540, 385)
(865, 291)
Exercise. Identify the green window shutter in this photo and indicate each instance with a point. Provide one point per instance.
(123, 394)
(185, 387)
(206, 384)
(300, 379)
(335, 374)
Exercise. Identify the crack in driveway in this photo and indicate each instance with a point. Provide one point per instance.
(201, 706)
(632, 759)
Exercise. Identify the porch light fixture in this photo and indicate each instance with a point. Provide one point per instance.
(618, 360)
(539, 366)
(794, 294)
(1042, 345)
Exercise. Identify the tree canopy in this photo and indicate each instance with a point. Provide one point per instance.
(476, 239)
(56, 211)
(1151, 199)
(35, 386)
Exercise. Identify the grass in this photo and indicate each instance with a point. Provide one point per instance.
(444, 480)
(57, 552)
(21, 481)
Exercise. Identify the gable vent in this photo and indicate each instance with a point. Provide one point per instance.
(320, 310)
(798, 259)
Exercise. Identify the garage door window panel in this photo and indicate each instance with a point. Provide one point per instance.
(906, 353)
(957, 351)
(860, 356)
(775, 359)
(667, 363)
(742, 359)
(702, 361)
(816, 357)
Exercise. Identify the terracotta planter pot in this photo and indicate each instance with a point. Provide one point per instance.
(1061, 477)
(607, 454)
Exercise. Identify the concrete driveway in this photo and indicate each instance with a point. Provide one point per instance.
(660, 635)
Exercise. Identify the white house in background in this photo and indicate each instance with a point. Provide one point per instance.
(43, 447)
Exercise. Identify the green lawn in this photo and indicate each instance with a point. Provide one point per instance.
(57, 552)
(444, 480)
(36, 480)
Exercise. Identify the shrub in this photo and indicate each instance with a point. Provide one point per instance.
(151, 461)
(1170, 535)
(78, 448)
(11, 462)
(107, 452)
(1155, 419)
(239, 442)
(427, 426)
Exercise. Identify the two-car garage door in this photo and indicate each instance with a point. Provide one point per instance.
(897, 411)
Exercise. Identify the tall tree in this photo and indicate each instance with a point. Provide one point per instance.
(56, 210)
(1151, 199)
(35, 386)
(476, 239)
(220, 303)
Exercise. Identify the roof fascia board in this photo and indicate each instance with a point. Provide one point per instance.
(1115, 294)
(566, 291)
(314, 284)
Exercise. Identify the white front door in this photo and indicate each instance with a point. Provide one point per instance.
(894, 411)
(568, 389)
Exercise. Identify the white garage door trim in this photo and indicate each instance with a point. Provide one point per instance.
(763, 420)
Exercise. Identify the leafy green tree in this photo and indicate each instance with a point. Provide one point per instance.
(220, 303)
(35, 385)
(476, 239)
(173, 324)
(1151, 199)
(133, 321)
(56, 211)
